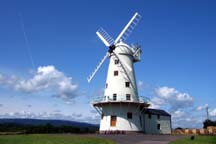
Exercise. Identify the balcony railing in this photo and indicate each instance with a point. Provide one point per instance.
(141, 99)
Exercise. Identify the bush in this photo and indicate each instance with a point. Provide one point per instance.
(208, 122)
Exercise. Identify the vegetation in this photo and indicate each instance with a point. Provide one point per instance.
(208, 122)
(47, 128)
(196, 140)
(51, 139)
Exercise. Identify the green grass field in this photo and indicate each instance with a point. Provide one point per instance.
(51, 139)
(197, 140)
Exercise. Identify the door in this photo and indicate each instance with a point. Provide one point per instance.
(113, 121)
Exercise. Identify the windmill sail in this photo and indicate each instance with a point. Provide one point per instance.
(129, 28)
(97, 68)
(105, 37)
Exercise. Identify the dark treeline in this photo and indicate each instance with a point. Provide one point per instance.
(46, 128)
(208, 122)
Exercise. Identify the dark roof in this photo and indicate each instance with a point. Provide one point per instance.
(156, 112)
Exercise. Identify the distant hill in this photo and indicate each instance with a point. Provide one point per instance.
(26, 121)
(45, 126)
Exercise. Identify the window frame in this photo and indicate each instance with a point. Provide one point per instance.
(128, 95)
(149, 116)
(129, 115)
(116, 61)
(158, 126)
(127, 84)
(115, 73)
(114, 97)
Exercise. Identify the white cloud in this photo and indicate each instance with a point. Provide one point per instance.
(1, 105)
(157, 102)
(178, 114)
(212, 112)
(200, 108)
(8, 80)
(172, 98)
(140, 85)
(178, 104)
(45, 78)
(187, 119)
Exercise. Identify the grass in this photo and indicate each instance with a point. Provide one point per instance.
(197, 140)
(51, 139)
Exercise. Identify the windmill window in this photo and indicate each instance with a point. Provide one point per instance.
(149, 116)
(114, 97)
(115, 73)
(127, 84)
(158, 126)
(128, 97)
(116, 61)
(129, 115)
(158, 116)
(106, 85)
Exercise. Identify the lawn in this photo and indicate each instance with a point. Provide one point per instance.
(51, 139)
(197, 140)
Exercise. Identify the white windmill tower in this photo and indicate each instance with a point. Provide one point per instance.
(120, 107)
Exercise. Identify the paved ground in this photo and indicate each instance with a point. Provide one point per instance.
(141, 138)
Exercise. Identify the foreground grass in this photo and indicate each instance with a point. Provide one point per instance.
(51, 139)
(197, 140)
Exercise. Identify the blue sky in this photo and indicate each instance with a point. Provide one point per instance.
(178, 59)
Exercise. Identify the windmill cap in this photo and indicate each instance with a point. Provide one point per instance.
(123, 48)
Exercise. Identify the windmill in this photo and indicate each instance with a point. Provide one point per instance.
(120, 107)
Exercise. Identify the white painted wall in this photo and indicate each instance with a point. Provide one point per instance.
(122, 122)
(150, 125)
(116, 84)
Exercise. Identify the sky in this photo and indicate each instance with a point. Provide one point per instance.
(48, 48)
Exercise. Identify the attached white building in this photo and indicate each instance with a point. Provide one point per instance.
(156, 121)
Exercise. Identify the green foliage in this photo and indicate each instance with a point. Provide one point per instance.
(196, 140)
(47, 128)
(51, 139)
(208, 122)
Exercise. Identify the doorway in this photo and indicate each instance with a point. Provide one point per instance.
(113, 121)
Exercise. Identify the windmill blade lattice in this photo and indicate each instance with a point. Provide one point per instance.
(129, 28)
(105, 37)
(97, 68)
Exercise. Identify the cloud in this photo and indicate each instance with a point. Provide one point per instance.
(178, 114)
(140, 85)
(93, 111)
(172, 98)
(1, 105)
(178, 104)
(29, 106)
(45, 78)
(187, 118)
(212, 112)
(200, 108)
(8, 80)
